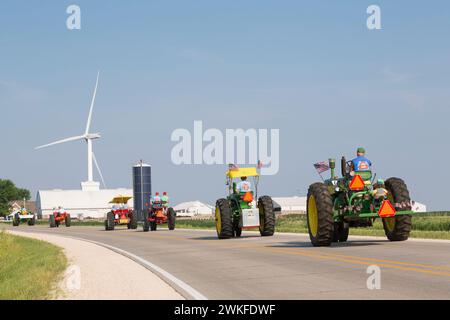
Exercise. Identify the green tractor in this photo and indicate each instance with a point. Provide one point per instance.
(240, 210)
(356, 200)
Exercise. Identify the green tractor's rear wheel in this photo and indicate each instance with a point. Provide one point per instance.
(224, 221)
(340, 232)
(146, 225)
(320, 215)
(16, 220)
(398, 228)
(266, 216)
(51, 221)
(109, 222)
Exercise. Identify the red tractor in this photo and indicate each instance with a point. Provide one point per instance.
(159, 213)
(120, 214)
(59, 216)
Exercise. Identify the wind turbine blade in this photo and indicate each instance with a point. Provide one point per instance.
(61, 141)
(88, 125)
(98, 169)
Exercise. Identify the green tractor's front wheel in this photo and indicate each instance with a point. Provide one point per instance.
(398, 228)
(319, 209)
(224, 221)
(266, 216)
(340, 232)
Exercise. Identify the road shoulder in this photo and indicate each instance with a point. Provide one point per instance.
(95, 272)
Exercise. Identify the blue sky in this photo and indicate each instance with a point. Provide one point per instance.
(309, 68)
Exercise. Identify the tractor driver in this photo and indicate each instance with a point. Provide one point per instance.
(361, 163)
(165, 199)
(156, 198)
(243, 186)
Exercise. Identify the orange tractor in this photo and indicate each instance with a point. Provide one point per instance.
(120, 214)
(59, 216)
(159, 213)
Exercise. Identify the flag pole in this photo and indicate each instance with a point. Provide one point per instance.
(320, 175)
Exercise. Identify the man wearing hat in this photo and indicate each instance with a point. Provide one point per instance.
(361, 163)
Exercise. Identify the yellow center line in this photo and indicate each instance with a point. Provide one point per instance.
(429, 266)
(355, 260)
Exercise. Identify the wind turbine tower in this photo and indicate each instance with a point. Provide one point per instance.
(90, 184)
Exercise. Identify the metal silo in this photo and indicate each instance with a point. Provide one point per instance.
(142, 188)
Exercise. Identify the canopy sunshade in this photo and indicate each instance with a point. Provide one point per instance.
(242, 172)
(120, 199)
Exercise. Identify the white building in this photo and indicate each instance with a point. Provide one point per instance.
(79, 203)
(291, 204)
(193, 208)
(298, 205)
(418, 207)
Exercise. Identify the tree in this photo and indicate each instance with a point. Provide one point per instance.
(8, 193)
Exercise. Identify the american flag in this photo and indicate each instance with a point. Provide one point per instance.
(322, 166)
(260, 164)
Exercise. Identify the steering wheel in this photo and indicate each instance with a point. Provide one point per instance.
(346, 167)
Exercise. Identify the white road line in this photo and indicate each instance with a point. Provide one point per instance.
(163, 274)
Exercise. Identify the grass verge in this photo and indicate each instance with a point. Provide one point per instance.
(29, 269)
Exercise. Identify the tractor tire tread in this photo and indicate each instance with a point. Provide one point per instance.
(324, 204)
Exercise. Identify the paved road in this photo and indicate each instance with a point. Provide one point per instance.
(284, 266)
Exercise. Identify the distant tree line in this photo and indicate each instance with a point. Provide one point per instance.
(9, 192)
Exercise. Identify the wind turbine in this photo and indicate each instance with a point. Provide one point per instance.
(88, 137)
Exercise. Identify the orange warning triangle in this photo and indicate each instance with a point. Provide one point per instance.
(357, 183)
(386, 210)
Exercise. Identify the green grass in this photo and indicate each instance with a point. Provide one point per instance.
(429, 226)
(29, 269)
(74, 223)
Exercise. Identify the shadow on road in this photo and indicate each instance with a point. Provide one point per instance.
(307, 244)
(231, 239)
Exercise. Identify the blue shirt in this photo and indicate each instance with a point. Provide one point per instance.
(243, 186)
(361, 164)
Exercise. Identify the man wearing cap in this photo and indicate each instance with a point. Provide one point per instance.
(361, 163)
(243, 186)
(165, 199)
(156, 198)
